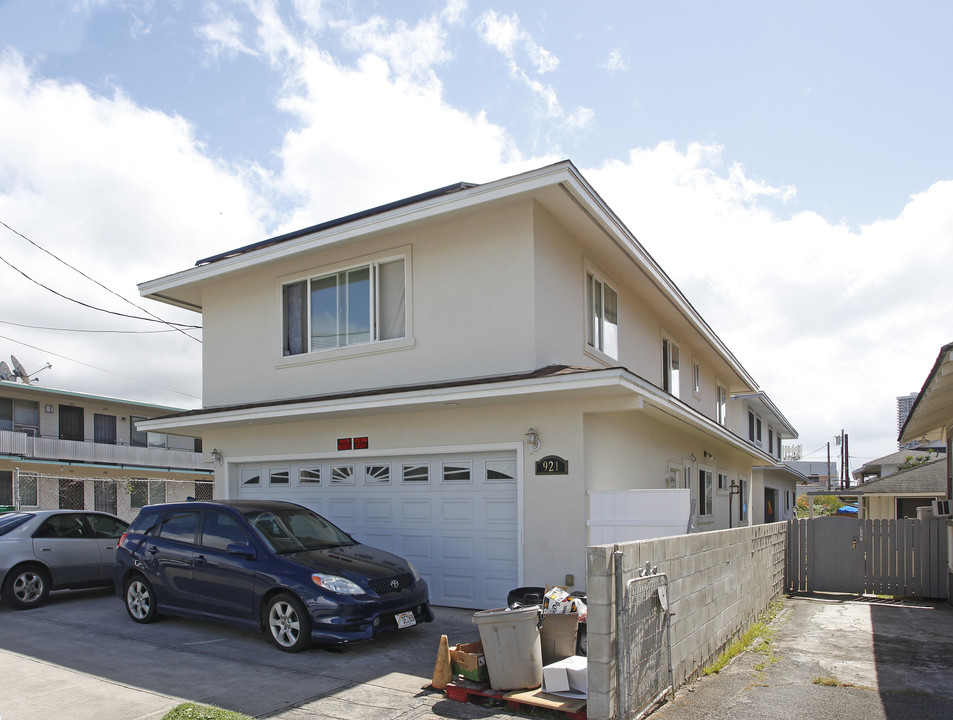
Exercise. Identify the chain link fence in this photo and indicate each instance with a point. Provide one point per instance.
(120, 496)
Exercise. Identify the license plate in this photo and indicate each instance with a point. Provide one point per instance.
(405, 620)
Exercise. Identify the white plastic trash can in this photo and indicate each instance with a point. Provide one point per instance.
(511, 645)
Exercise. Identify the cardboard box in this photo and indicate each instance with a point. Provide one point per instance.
(569, 676)
(557, 636)
(469, 661)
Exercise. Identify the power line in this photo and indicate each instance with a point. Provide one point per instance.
(94, 367)
(79, 330)
(154, 318)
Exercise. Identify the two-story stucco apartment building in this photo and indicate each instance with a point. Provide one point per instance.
(457, 375)
(67, 450)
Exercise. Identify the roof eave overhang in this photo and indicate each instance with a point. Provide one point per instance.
(611, 383)
(932, 411)
(761, 398)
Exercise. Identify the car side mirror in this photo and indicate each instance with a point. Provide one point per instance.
(243, 549)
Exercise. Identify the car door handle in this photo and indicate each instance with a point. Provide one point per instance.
(199, 560)
(152, 550)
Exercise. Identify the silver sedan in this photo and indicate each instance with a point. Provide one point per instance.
(43, 550)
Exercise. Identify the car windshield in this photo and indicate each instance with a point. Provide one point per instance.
(295, 530)
(8, 521)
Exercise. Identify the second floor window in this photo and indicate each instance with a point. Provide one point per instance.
(602, 327)
(355, 306)
(670, 364)
(721, 409)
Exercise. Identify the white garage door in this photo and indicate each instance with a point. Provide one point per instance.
(454, 517)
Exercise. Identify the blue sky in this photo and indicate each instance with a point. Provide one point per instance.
(789, 165)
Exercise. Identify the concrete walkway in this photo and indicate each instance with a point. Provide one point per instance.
(835, 658)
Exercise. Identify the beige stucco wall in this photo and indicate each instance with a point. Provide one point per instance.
(471, 303)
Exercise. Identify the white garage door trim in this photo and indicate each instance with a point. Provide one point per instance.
(451, 511)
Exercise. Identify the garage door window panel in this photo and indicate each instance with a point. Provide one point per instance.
(457, 472)
(342, 474)
(309, 475)
(279, 476)
(501, 471)
(415, 474)
(251, 476)
(377, 474)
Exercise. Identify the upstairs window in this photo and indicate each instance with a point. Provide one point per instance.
(356, 306)
(602, 326)
(721, 408)
(670, 363)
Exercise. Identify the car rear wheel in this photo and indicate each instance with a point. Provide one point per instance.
(288, 622)
(26, 587)
(140, 600)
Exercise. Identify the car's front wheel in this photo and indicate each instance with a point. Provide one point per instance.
(140, 600)
(288, 623)
(26, 587)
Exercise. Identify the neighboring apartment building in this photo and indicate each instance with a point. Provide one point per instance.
(904, 404)
(453, 376)
(69, 450)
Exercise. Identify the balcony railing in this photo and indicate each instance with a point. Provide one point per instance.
(54, 449)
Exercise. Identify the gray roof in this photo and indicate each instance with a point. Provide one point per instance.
(896, 458)
(927, 478)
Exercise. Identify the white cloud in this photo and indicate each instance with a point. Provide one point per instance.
(615, 62)
(503, 32)
(124, 193)
(829, 321)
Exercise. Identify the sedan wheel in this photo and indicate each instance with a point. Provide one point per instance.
(289, 625)
(26, 588)
(140, 600)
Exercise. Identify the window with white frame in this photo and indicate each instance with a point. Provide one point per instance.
(250, 476)
(705, 500)
(279, 476)
(500, 470)
(352, 306)
(377, 474)
(722, 482)
(602, 326)
(743, 500)
(670, 364)
(309, 475)
(342, 475)
(696, 379)
(415, 473)
(721, 407)
(456, 471)
(770, 440)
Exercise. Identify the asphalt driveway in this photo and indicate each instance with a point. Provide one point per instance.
(80, 656)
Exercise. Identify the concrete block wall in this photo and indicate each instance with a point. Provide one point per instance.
(719, 583)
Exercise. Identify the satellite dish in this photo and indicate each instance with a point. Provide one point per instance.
(5, 373)
(18, 370)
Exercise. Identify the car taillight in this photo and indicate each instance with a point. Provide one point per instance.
(122, 539)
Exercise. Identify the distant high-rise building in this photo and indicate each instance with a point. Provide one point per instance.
(904, 405)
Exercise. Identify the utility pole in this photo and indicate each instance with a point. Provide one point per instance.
(830, 480)
(846, 465)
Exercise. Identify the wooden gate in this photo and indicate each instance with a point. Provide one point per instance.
(876, 557)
